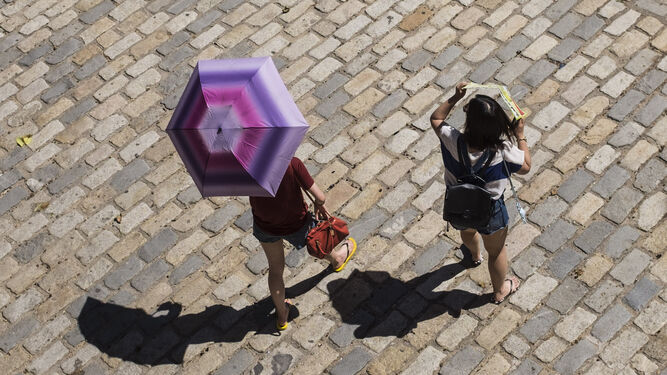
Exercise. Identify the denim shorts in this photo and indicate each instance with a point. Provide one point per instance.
(297, 239)
(498, 220)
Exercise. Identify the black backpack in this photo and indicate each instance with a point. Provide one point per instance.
(467, 203)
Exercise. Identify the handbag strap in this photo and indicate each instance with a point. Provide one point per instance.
(309, 195)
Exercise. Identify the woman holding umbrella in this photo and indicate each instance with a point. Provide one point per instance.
(286, 217)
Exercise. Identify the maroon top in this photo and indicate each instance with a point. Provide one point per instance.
(286, 212)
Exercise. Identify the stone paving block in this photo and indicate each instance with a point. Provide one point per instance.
(621, 203)
(158, 244)
(603, 296)
(613, 179)
(548, 211)
(642, 293)
(463, 362)
(630, 267)
(611, 322)
(651, 81)
(621, 240)
(572, 188)
(556, 235)
(17, 332)
(593, 236)
(652, 110)
(351, 363)
(574, 358)
(620, 350)
(626, 105)
(564, 261)
(567, 295)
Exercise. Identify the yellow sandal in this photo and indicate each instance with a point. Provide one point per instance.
(349, 254)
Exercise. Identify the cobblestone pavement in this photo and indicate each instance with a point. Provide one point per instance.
(112, 263)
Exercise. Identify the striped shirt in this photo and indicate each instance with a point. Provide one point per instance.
(495, 175)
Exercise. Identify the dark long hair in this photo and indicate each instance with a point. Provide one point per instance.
(486, 123)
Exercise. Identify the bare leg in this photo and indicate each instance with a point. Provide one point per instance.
(339, 254)
(471, 238)
(498, 265)
(276, 256)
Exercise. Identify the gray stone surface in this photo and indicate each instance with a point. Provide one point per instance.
(416, 60)
(237, 364)
(529, 261)
(537, 73)
(158, 244)
(589, 27)
(603, 296)
(389, 104)
(593, 235)
(463, 362)
(575, 185)
(446, 57)
(572, 360)
(644, 290)
(548, 211)
(611, 322)
(556, 235)
(565, 49)
(621, 204)
(354, 361)
(613, 179)
(621, 240)
(528, 367)
(564, 261)
(486, 70)
(129, 175)
(332, 84)
(539, 324)
(124, 272)
(566, 295)
(625, 105)
(513, 48)
(222, 217)
(326, 131)
(650, 176)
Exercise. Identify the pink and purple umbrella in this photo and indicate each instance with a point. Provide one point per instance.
(236, 127)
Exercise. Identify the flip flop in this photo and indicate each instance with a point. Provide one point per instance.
(284, 326)
(476, 263)
(512, 290)
(349, 254)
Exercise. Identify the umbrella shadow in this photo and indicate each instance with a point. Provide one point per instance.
(378, 304)
(132, 334)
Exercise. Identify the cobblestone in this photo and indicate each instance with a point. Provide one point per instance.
(84, 80)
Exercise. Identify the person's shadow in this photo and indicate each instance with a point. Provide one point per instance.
(161, 338)
(366, 299)
(378, 304)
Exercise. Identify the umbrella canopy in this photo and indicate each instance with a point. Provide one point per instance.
(236, 127)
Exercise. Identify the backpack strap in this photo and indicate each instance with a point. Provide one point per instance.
(490, 156)
(464, 158)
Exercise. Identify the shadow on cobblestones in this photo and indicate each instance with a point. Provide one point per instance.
(380, 305)
(163, 337)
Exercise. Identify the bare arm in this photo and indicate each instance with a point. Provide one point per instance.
(317, 194)
(522, 143)
(441, 113)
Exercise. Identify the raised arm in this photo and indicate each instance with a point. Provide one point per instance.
(441, 113)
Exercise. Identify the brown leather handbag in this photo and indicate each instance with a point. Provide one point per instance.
(327, 233)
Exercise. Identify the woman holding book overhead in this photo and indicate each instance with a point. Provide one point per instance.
(478, 163)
